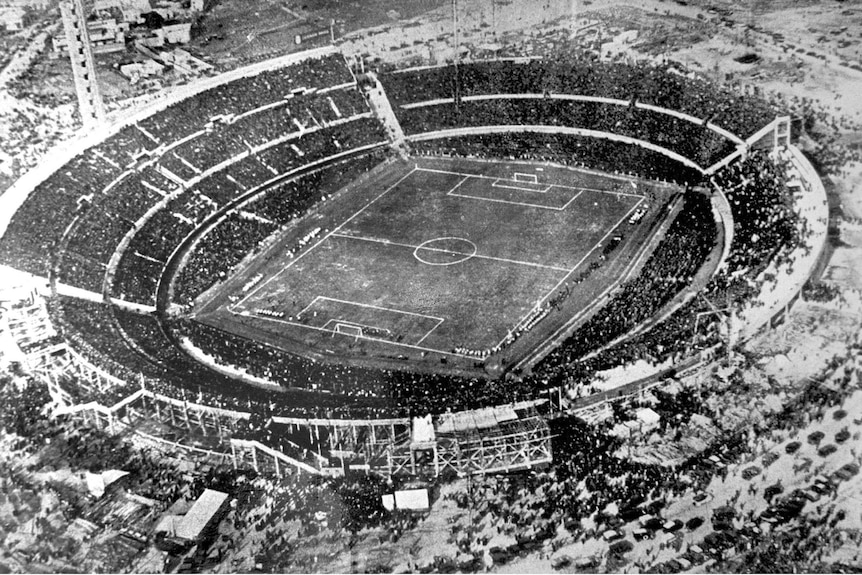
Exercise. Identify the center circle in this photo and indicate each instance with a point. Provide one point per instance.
(445, 251)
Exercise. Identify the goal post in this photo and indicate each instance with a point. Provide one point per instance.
(528, 178)
(348, 329)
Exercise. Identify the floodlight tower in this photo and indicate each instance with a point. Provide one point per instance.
(455, 40)
(90, 103)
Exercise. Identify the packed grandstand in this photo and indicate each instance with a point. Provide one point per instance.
(226, 168)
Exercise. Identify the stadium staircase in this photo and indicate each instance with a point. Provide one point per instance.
(383, 109)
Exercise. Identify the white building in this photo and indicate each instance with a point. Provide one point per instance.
(14, 18)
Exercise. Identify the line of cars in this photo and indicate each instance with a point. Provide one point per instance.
(789, 507)
(723, 542)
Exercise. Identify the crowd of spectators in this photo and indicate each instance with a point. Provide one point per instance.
(132, 346)
(606, 155)
(582, 72)
(222, 140)
(217, 253)
(277, 437)
(765, 227)
(234, 238)
(245, 94)
(143, 261)
(82, 191)
(81, 272)
(690, 140)
(35, 230)
(365, 391)
(669, 269)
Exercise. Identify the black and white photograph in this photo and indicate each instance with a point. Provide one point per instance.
(430, 286)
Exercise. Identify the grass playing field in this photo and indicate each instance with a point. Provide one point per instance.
(448, 256)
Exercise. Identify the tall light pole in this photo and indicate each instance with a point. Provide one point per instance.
(456, 41)
(90, 103)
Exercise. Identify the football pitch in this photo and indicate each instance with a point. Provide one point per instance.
(442, 260)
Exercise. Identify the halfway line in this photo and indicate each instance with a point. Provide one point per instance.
(391, 243)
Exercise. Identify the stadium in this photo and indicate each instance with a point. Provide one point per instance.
(310, 267)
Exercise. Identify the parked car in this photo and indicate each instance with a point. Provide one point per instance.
(621, 547)
(790, 509)
(702, 498)
(672, 525)
(818, 488)
(770, 515)
(694, 523)
(792, 447)
(827, 450)
(640, 534)
(751, 472)
(725, 512)
(772, 490)
(842, 436)
(769, 458)
(824, 483)
(811, 495)
(843, 474)
(716, 462)
(651, 523)
(797, 495)
(695, 554)
(816, 437)
(612, 535)
(587, 562)
(561, 562)
(630, 513)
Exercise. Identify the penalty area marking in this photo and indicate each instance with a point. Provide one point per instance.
(499, 179)
(495, 183)
(415, 346)
(368, 305)
(325, 327)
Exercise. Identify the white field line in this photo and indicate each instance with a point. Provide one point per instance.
(323, 239)
(403, 245)
(514, 203)
(365, 337)
(496, 184)
(577, 265)
(352, 323)
(498, 179)
(368, 305)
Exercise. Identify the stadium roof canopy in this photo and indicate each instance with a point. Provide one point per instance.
(475, 419)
